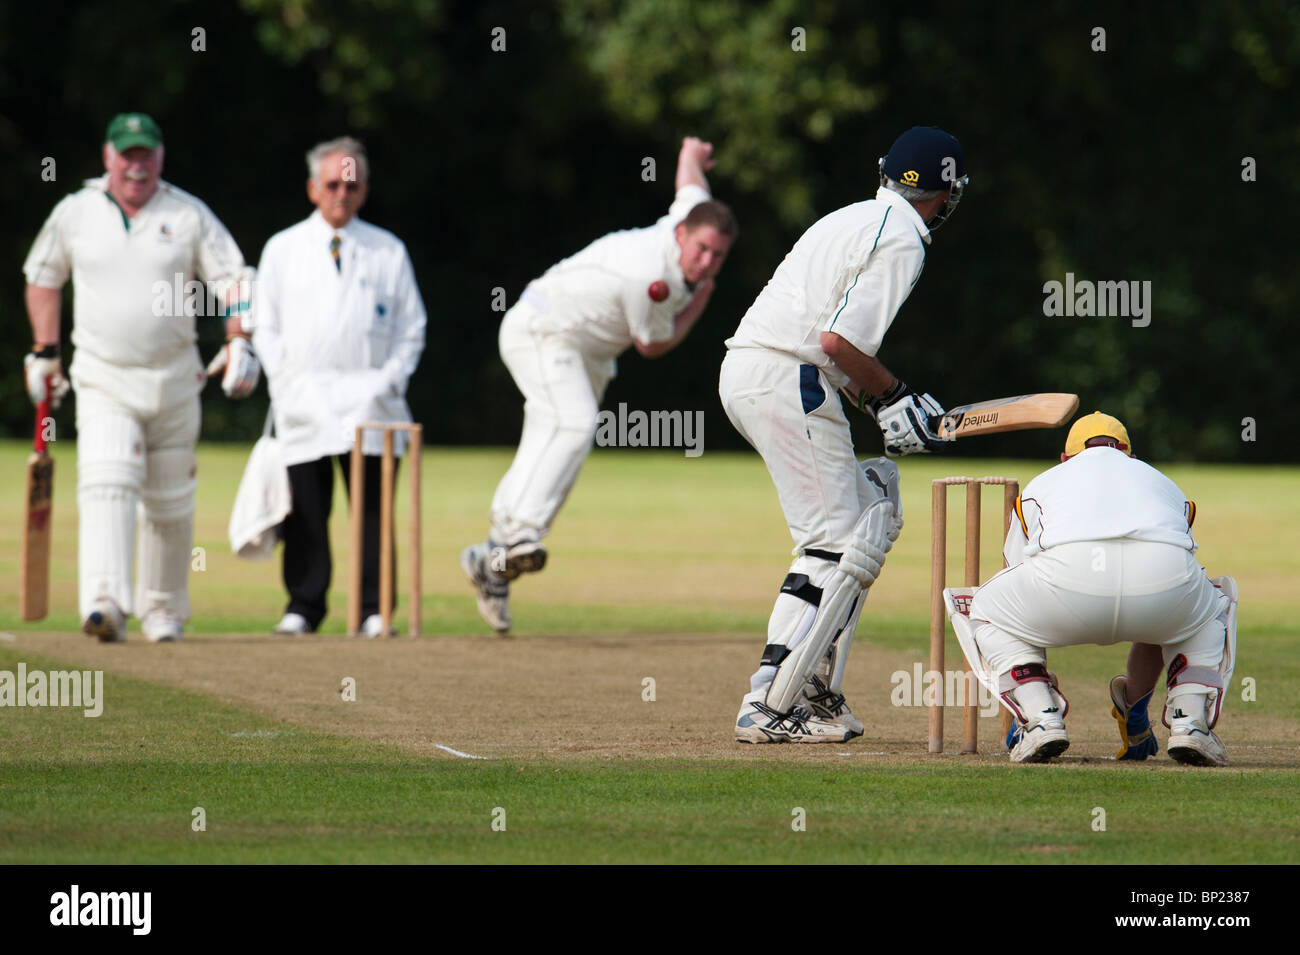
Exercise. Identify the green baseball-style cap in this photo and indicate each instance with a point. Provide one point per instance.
(133, 129)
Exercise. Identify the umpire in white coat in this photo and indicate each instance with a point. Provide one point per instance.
(339, 326)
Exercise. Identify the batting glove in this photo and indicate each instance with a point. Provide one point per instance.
(242, 369)
(44, 373)
(908, 421)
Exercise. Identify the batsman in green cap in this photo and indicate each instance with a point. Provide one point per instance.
(135, 248)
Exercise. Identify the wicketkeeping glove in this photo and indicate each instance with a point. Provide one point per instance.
(41, 366)
(241, 365)
(908, 421)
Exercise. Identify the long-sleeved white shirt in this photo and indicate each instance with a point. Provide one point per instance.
(338, 344)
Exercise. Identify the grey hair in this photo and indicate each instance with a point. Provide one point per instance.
(344, 144)
(911, 193)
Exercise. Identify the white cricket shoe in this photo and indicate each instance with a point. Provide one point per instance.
(1194, 744)
(1191, 741)
(493, 589)
(373, 626)
(106, 621)
(759, 723)
(1040, 742)
(293, 624)
(160, 625)
(831, 706)
(524, 557)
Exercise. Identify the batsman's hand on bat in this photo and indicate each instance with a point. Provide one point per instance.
(242, 369)
(909, 422)
(44, 374)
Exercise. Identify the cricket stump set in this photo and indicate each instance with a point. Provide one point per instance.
(356, 535)
(938, 581)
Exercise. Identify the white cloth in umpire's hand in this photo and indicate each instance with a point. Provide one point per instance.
(909, 425)
(262, 501)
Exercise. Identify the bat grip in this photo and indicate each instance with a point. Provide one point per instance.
(42, 412)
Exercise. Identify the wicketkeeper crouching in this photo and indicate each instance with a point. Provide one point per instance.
(1101, 551)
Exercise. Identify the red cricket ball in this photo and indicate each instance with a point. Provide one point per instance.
(658, 290)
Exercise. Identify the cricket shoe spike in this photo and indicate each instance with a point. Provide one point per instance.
(831, 706)
(493, 589)
(106, 621)
(759, 723)
(509, 562)
(1138, 741)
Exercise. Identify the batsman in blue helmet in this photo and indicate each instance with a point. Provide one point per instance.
(814, 330)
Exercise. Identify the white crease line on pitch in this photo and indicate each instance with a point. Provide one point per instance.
(456, 752)
(8, 637)
(862, 754)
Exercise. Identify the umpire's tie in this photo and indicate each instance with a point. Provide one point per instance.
(334, 252)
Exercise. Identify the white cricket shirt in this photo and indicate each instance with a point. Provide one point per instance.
(1103, 494)
(599, 298)
(119, 268)
(849, 274)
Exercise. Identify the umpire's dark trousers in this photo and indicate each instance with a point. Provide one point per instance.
(307, 562)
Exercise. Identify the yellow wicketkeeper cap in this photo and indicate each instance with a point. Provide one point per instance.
(1096, 425)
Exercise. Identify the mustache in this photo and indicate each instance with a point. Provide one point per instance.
(135, 175)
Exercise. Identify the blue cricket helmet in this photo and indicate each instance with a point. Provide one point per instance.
(926, 157)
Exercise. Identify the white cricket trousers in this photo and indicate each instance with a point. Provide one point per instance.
(793, 418)
(136, 433)
(1100, 592)
(562, 391)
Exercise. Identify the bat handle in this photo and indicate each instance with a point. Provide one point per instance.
(42, 412)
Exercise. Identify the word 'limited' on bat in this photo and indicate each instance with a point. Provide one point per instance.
(34, 549)
(1048, 409)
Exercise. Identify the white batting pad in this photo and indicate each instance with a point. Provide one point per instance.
(166, 532)
(105, 541)
(845, 587)
(957, 600)
(1228, 587)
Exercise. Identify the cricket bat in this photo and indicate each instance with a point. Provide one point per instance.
(1048, 409)
(34, 550)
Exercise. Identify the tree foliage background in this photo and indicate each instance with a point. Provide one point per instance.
(1117, 164)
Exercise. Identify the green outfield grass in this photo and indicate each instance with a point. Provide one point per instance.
(274, 792)
(650, 543)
